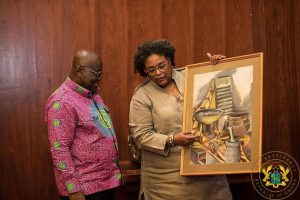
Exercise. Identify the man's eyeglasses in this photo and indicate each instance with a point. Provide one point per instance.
(161, 67)
(98, 74)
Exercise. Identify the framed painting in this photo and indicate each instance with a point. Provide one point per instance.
(223, 107)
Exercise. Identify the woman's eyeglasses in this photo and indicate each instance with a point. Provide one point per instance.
(161, 67)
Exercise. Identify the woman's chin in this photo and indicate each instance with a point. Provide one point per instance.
(162, 83)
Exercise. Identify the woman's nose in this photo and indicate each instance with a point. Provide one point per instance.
(157, 71)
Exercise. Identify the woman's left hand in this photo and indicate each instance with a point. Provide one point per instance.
(214, 59)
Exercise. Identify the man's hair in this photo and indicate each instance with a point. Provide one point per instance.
(160, 47)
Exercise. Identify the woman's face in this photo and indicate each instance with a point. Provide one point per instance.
(158, 69)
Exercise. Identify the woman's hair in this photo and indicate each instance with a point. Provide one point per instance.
(160, 47)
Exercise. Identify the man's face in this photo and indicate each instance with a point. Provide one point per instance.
(91, 75)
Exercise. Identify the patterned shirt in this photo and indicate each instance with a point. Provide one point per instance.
(82, 141)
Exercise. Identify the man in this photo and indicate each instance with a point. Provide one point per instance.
(82, 139)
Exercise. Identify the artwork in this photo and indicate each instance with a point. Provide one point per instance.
(223, 107)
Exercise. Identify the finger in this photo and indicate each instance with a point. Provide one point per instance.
(222, 56)
(191, 138)
(197, 139)
(192, 142)
(208, 55)
(211, 57)
(187, 133)
(190, 135)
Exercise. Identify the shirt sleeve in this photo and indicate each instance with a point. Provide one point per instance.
(141, 127)
(61, 120)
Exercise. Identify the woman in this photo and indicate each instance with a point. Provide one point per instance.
(155, 122)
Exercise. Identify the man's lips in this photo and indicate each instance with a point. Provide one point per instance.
(95, 86)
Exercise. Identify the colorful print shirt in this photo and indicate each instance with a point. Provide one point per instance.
(82, 141)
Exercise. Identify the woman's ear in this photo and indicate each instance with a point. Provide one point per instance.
(145, 71)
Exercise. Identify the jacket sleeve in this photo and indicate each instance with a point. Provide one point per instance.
(61, 120)
(141, 127)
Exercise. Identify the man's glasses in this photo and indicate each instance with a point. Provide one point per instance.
(98, 74)
(161, 67)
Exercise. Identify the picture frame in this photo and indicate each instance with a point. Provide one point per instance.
(223, 107)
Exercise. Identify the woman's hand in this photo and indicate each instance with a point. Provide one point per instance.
(215, 58)
(184, 138)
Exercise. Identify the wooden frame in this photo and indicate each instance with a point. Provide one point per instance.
(223, 105)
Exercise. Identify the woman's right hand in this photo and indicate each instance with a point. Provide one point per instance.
(185, 138)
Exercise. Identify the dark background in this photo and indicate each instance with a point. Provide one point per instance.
(39, 37)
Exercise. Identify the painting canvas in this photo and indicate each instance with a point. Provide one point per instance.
(223, 107)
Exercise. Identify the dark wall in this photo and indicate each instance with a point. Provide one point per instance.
(39, 37)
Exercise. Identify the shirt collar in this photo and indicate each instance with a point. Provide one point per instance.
(179, 80)
(77, 88)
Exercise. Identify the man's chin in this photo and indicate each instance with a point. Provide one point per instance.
(95, 90)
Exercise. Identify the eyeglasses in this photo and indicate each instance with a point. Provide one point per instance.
(98, 74)
(161, 67)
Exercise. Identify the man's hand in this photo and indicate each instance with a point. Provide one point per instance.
(77, 196)
(184, 138)
(215, 58)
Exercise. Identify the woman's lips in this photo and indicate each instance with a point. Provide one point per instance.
(161, 79)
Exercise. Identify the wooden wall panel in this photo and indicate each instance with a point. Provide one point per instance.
(39, 37)
(238, 38)
(295, 143)
(177, 25)
(18, 113)
(297, 64)
(258, 24)
(209, 29)
(280, 120)
(73, 28)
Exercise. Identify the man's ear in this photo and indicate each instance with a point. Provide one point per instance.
(78, 71)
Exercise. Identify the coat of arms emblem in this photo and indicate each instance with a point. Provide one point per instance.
(275, 175)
